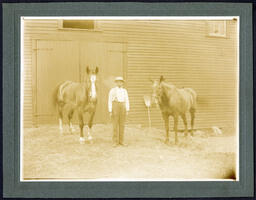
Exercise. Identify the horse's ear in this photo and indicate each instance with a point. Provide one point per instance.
(161, 79)
(96, 70)
(87, 70)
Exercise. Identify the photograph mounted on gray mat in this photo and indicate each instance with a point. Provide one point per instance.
(100, 102)
(85, 110)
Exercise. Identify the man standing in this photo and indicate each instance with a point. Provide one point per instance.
(118, 107)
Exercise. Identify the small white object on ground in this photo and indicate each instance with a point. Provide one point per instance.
(198, 132)
(216, 130)
(82, 140)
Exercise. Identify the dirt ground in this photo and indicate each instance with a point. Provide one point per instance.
(49, 155)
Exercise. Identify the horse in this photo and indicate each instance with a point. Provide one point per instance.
(80, 97)
(174, 102)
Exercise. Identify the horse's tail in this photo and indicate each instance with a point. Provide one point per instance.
(61, 91)
(193, 97)
(58, 97)
(58, 94)
(55, 95)
(196, 99)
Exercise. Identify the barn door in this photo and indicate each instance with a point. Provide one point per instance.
(109, 57)
(56, 61)
(92, 55)
(114, 65)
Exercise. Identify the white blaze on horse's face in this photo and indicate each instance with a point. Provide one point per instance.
(93, 87)
(93, 78)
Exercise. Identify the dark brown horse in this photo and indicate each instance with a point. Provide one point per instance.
(80, 97)
(175, 102)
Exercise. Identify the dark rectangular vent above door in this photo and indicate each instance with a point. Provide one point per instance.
(78, 24)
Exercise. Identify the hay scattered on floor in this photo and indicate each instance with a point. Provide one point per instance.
(47, 154)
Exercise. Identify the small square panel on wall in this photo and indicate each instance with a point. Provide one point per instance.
(216, 28)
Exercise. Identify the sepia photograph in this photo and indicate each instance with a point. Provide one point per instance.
(129, 99)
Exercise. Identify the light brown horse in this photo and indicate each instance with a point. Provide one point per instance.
(80, 97)
(175, 102)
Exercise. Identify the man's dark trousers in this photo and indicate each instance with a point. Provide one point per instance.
(118, 120)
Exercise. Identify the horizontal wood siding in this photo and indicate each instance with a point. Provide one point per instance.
(32, 27)
(187, 57)
(180, 50)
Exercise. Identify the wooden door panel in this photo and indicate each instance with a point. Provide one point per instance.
(113, 66)
(109, 58)
(57, 61)
(92, 55)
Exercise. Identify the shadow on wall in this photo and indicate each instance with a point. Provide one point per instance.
(109, 82)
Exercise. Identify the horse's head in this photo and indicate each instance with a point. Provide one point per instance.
(91, 82)
(157, 89)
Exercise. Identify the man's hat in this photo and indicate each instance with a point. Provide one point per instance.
(119, 78)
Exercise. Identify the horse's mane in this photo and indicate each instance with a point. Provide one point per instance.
(165, 94)
(163, 98)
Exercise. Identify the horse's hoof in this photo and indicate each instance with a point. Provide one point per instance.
(167, 142)
(90, 139)
(82, 140)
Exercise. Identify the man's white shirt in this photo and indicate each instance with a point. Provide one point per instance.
(119, 95)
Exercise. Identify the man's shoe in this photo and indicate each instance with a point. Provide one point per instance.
(114, 145)
(124, 144)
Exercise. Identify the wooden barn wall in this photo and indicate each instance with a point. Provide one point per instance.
(32, 27)
(187, 57)
(179, 50)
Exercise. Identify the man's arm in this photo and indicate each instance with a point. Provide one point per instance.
(127, 103)
(110, 94)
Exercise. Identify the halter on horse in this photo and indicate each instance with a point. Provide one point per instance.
(175, 102)
(80, 97)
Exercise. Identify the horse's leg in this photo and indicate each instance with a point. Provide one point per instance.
(192, 113)
(60, 114)
(81, 125)
(176, 118)
(70, 116)
(183, 116)
(166, 121)
(90, 125)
